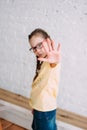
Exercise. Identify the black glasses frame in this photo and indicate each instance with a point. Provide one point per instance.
(38, 46)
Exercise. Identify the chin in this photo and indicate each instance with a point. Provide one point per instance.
(41, 56)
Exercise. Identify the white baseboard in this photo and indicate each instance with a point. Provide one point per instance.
(16, 114)
(23, 117)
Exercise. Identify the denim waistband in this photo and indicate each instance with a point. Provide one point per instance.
(42, 114)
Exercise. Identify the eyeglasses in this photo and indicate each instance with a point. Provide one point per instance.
(38, 46)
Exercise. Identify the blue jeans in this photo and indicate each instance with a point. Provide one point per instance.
(44, 120)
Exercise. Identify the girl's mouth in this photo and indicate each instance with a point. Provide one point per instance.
(40, 55)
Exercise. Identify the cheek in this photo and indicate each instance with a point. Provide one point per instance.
(36, 53)
(44, 53)
(43, 50)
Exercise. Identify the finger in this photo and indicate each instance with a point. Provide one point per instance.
(45, 46)
(58, 48)
(53, 45)
(49, 44)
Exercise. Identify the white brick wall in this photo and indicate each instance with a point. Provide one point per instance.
(66, 22)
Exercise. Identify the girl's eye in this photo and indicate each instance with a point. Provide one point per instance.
(39, 45)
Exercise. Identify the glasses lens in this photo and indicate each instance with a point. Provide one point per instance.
(39, 46)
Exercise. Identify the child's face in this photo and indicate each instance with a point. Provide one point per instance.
(36, 45)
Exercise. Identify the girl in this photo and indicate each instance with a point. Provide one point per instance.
(45, 83)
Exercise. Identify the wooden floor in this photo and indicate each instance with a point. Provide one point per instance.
(6, 125)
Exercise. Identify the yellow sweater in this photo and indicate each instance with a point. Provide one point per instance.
(45, 87)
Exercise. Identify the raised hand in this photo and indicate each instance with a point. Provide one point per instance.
(52, 53)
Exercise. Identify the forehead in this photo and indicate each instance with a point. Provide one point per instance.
(35, 40)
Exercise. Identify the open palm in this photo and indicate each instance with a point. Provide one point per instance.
(52, 54)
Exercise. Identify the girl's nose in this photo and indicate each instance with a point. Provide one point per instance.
(37, 52)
